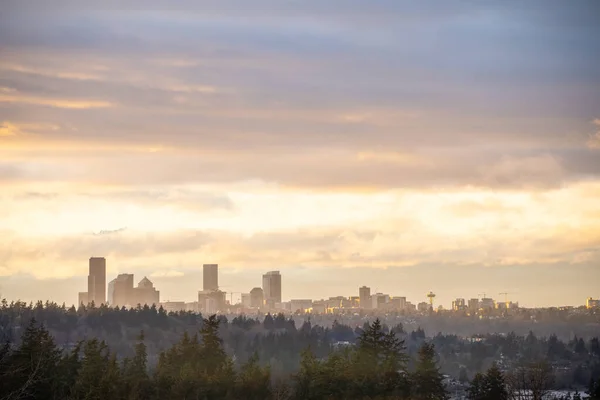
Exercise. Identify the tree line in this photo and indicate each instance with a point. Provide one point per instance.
(198, 367)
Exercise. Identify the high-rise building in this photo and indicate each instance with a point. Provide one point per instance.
(272, 288)
(210, 301)
(592, 303)
(364, 293)
(97, 281)
(145, 293)
(379, 300)
(459, 305)
(257, 298)
(473, 305)
(246, 300)
(398, 303)
(210, 277)
(487, 303)
(120, 291)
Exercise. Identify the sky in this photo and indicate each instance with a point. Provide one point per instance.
(407, 146)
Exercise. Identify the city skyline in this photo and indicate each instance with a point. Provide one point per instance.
(213, 298)
(404, 146)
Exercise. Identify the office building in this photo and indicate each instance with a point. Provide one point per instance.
(210, 277)
(319, 307)
(398, 303)
(120, 291)
(97, 281)
(246, 300)
(487, 304)
(459, 305)
(83, 298)
(211, 301)
(300, 305)
(257, 298)
(423, 307)
(364, 294)
(272, 288)
(592, 303)
(473, 305)
(145, 293)
(379, 301)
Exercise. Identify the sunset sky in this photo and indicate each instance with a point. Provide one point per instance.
(404, 145)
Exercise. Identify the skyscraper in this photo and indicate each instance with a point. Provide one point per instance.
(120, 291)
(210, 277)
(145, 293)
(272, 288)
(97, 281)
(364, 293)
(256, 297)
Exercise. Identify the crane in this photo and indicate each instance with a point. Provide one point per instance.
(231, 296)
(505, 298)
(480, 294)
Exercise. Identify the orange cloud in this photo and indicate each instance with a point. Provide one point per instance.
(57, 103)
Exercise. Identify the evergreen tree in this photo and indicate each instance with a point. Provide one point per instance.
(31, 371)
(594, 389)
(495, 384)
(427, 380)
(137, 383)
(477, 388)
(254, 382)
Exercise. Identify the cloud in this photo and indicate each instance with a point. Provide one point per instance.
(594, 140)
(110, 231)
(167, 274)
(58, 103)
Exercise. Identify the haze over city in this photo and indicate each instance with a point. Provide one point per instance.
(401, 145)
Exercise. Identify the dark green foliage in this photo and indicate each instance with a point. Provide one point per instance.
(30, 372)
(427, 379)
(254, 380)
(182, 355)
(594, 389)
(491, 386)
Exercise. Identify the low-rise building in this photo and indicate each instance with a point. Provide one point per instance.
(592, 303)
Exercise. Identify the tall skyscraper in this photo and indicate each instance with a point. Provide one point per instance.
(364, 293)
(97, 281)
(120, 291)
(210, 277)
(272, 288)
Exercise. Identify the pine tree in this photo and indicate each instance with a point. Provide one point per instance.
(477, 389)
(495, 384)
(254, 381)
(427, 379)
(594, 389)
(31, 370)
(137, 382)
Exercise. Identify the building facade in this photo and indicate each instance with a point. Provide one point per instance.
(210, 277)
(272, 288)
(83, 298)
(257, 298)
(364, 294)
(592, 303)
(120, 291)
(97, 281)
(300, 305)
(145, 293)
